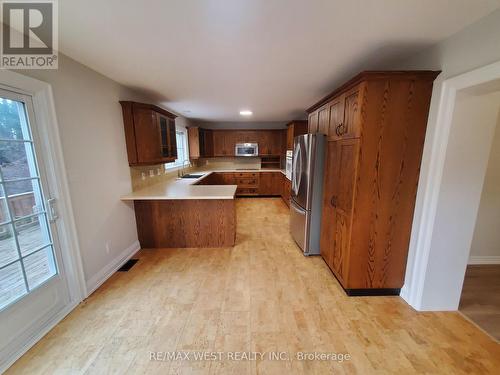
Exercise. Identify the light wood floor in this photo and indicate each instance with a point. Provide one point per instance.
(480, 300)
(262, 295)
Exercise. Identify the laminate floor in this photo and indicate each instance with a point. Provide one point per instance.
(260, 296)
(480, 300)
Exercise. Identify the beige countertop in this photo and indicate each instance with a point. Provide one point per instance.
(185, 188)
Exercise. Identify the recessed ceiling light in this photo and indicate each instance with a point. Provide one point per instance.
(246, 112)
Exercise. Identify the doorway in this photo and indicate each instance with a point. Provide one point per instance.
(480, 299)
(454, 164)
(40, 281)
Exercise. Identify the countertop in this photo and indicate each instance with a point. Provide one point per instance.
(185, 188)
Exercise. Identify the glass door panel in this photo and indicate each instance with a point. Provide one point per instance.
(26, 247)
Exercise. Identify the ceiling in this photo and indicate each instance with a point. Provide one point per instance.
(208, 59)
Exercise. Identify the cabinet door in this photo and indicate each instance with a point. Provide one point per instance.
(341, 239)
(265, 183)
(275, 142)
(228, 178)
(147, 134)
(195, 141)
(324, 120)
(336, 118)
(230, 140)
(351, 126)
(328, 207)
(277, 183)
(172, 140)
(219, 143)
(265, 143)
(207, 148)
(289, 137)
(313, 123)
(345, 170)
(270, 183)
(287, 191)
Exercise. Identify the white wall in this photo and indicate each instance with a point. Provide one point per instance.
(476, 46)
(91, 130)
(473, 47)
(485, 246)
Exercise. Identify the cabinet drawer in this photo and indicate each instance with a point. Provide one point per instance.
(246, 191)
(246, 174)
(247, 181)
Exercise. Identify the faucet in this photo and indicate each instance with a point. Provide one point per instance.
(181, 170)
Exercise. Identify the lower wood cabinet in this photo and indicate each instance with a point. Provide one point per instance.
(250, 183)
(287, 191)
(271, 183)
(186, 223)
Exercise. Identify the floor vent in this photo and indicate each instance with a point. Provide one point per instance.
(127, 266)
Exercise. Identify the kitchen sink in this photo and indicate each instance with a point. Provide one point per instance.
(192, 175)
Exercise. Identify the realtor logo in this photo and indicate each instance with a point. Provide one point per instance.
(29, 34)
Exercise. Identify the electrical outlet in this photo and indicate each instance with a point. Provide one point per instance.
(143, 176)
(151, 173)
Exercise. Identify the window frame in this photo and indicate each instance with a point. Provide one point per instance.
(178, 163)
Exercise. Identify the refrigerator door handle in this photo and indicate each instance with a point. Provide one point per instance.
(297, 172)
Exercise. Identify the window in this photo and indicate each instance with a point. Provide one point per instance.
(182, 149)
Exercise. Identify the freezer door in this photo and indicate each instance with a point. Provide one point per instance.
(301, 170)
(299, 225)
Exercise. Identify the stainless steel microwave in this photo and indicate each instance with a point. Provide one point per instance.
(246, 149)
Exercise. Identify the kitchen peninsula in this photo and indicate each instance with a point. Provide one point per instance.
(180, 213)
(200, 211)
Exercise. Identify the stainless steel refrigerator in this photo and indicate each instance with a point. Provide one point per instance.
(307, 188)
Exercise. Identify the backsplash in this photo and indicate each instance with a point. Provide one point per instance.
(154, 174)
(151, 174)
(229, 163)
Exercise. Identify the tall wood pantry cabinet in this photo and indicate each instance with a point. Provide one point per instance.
(375, 126)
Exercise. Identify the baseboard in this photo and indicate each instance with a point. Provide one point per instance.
(105, 273)
(473, 260)
(404, 293)
(35, 337)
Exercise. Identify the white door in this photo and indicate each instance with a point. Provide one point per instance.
(33, 286)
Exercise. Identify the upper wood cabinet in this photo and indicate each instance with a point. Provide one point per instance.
(294, 129)
(375, 125)
(149, 134)
(201, 143)
(313, 122)
(224, 141)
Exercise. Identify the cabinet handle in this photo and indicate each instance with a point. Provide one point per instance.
(337, 129)
(343, 128)
(333, 201)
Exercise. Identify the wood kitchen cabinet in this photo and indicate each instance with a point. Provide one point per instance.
(249, 183)
(222, 143)
(201, 143)
(312, 122)
(375, 125)
(269, 141)
(294, 129)
(271, 183)
(286, 193)
(149, 134)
